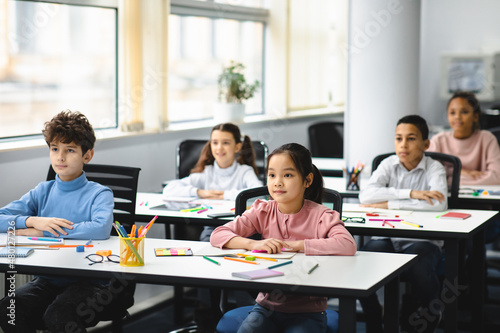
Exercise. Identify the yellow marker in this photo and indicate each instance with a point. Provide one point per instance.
(256, 257)
(413, 224)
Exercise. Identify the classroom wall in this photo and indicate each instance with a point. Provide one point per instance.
(457, 26)
(21, 170)
(446, 25)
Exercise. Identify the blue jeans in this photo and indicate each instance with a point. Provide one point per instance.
(39, 304)
(262, 320)
(422, 276)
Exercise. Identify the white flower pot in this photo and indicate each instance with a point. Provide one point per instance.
(229, 113)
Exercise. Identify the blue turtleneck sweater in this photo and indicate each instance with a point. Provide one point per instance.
(87, 204)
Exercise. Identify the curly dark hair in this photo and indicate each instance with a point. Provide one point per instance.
(68, 126)
(418, 122)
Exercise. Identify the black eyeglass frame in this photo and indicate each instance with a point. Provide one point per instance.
(95, 261)
(358, 219)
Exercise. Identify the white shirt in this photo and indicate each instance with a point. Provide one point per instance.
(392, 182)
(231, 180)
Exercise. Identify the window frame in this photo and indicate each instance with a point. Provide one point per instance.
(213, 10)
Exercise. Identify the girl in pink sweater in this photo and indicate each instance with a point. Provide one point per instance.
(294, 219)
(478, 150)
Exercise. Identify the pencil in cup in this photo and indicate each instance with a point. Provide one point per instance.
(131, 251)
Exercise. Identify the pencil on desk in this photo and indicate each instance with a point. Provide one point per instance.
(282, 264)
(312, 269)
(54, 246)
(258, 257)
(211, 260)
(389, 224)
(42, 239)
(242, 260)
(413, 224)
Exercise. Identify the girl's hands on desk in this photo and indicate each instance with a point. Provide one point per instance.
(427, 196)
(50, 224)
(210, 194)
(295, 246)
(272, 245)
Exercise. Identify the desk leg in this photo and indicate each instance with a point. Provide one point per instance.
(451, 279)
(477, 282)
(347, 314)
(391, 306)
(178, 304)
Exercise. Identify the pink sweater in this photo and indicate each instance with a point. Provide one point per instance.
(478, 152)
(320, 228)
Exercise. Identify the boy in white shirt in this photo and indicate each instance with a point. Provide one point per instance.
(408, 180)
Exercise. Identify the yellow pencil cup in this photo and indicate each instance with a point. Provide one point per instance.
(132, 251)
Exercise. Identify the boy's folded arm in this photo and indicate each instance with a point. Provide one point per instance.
(417, 204)
(374, 194)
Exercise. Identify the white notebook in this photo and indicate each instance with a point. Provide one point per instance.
(19, 252)
(211, 251)
(25, 240)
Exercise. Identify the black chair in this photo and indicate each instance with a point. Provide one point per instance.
(449, 161)
(123, 182)
(188, 152)
(241, 203)
(326, 139)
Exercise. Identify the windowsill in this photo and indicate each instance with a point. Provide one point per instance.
(38, 141)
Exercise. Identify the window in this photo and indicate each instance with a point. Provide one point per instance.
(204, 36)
(56, 56)
(316, 62)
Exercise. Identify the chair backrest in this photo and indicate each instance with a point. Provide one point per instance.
(449, 161)
(241, 203)
(188, 153)
(326, 139)
(121, 180)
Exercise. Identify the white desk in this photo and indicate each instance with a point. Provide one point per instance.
(344, 277)
(452, 232)
(465, 194)
(144, 210)
(330, 167)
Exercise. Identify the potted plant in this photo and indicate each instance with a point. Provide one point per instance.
(233, 90)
